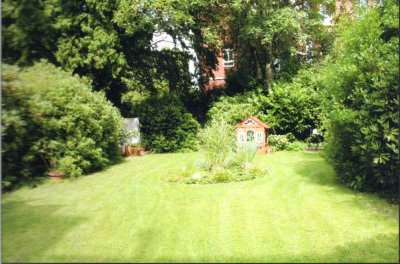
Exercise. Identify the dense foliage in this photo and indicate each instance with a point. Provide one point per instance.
(361, 81)
(232, 109)
(285, 142)
(166, 126)
(293, 107)
(278, 142)
(111, 42)
(290, 107)
(50, 118)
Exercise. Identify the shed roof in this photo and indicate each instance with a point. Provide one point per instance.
(255, 119)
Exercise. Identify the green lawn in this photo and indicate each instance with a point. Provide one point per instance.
(131, 213)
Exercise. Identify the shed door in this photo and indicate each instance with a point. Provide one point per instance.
(250, 136)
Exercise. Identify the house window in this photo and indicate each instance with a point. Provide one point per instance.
(277, 65)
(259, 137)
(241, 137)
(228, 58)
(309, 49)
(250, 136)
(249, 122)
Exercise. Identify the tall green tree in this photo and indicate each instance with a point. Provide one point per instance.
(108, 41)
(268, 34)
(27, 30)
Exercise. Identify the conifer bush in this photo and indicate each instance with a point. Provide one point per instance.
(165, 124)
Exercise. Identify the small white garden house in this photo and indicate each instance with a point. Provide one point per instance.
(132, 124)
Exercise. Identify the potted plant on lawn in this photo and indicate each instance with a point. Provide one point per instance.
(136, 149)
(50, 153)
(128, 148)
(54, 173)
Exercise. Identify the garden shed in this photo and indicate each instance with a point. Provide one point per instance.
(132, 125)
(253, 131)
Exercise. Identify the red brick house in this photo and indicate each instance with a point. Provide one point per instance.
(227, 58)
(226, 64)
(252, 130)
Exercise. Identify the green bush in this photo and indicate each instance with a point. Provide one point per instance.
(292, 107)
(316, 141)
(361, 83)
(296, 146)
(165, 124)
(278, 142)
(285, 142)
(221, 175)
(233, 109)
(50, 117)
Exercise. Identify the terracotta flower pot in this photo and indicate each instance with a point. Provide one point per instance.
(136, 151)
(127, 151)
(142, 150)
(130, 150)
(56, 175)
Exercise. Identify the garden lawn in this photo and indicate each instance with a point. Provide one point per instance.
(131, 213)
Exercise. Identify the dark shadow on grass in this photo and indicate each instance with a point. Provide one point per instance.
(316, 169)
(38, 180)
(30, 228)
(382, 248)
(29, 183)
(321, 173)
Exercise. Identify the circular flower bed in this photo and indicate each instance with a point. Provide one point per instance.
(197, 175)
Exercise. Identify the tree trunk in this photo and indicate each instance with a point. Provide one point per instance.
(259, 74)
(269, 72)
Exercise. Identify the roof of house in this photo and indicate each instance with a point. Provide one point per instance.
(255, 119)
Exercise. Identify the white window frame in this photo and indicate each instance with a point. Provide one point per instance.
(242, 137)
(229, 62)
(259, 137)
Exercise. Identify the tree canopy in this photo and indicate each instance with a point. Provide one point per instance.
(111, 41)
